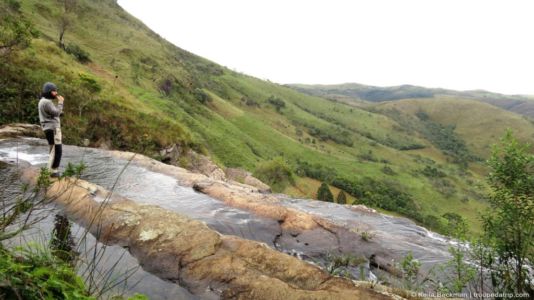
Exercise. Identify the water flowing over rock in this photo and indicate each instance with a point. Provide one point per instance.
(310, 230)
(186, 251)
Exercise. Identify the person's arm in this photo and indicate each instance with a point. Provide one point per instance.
(54, 111)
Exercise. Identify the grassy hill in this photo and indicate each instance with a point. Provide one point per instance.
(479, 124)
(357, 93)
(127, 88)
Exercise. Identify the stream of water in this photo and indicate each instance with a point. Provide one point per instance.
(393, 237)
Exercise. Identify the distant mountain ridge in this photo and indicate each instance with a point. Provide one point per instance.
(520, 104)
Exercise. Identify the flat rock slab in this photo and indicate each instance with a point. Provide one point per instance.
(187, 252)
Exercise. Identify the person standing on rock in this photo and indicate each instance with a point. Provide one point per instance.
(49, 115)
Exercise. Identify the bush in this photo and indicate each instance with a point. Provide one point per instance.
(335, 134)
(367, 236)
(275, 173)
(34, 275)
(16, 32)
(324, 193)
(249, 102)
(277, 103)
(432, 172)
(78, 53)
(202, 96)
(388, 171)
(368, 156)
(509, 223)
(315, 171)
(341, 198)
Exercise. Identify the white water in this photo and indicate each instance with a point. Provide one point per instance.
(14, 154)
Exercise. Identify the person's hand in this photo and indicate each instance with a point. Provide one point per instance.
(60, 99)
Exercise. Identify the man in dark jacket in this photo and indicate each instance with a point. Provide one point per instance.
(50, 123)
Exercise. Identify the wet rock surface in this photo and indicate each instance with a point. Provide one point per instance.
(307, 229)
(186, 251)
(127, 276)
(15, 130)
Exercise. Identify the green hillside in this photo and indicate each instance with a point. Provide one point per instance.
(127, 88)
(355, 93)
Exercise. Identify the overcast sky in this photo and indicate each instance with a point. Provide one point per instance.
(462, 45)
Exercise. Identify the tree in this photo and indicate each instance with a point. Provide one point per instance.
(276, 102)
(341, 198)
(456, 225)
(457, 273)
(65, 19)
(509, 223)
(410, 272)
(16, 31)
(324, 193)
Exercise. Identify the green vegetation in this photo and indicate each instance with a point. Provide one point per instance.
(276, 173)
(36, 274)
(367, 236)
(509, 224)
(359, 94)
(341, 198)
(129, 89)
(504, 253)
(324, 193)
(444, 138)
(340, 265)
(46, 270)
(33, 272)
(78, 53)
(277, 103)
(410, 272)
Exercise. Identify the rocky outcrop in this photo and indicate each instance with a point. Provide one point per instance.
(186, 251)
(193, 161)
(243, 176)
(236, 195)
(17, 129)
(260, 204)
(198, 163)
(300, 230)
(305, 231)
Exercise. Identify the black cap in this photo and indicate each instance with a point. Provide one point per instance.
(47, 90)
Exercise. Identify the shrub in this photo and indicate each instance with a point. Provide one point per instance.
(81, 55)
(456, 225)
(315, 171)
(16, 32)
(509, 223)
(410, 271)
(367, 236)
(277, 103)
(341, 198)
(166, 86)
(324, 193)
(432, 172)
(368, 156)
(276, 173)
(202, 96)
(249, 101)
(340, 265)
(388, 171)
(30, 275)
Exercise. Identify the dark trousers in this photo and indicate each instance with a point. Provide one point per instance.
(53, 136)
